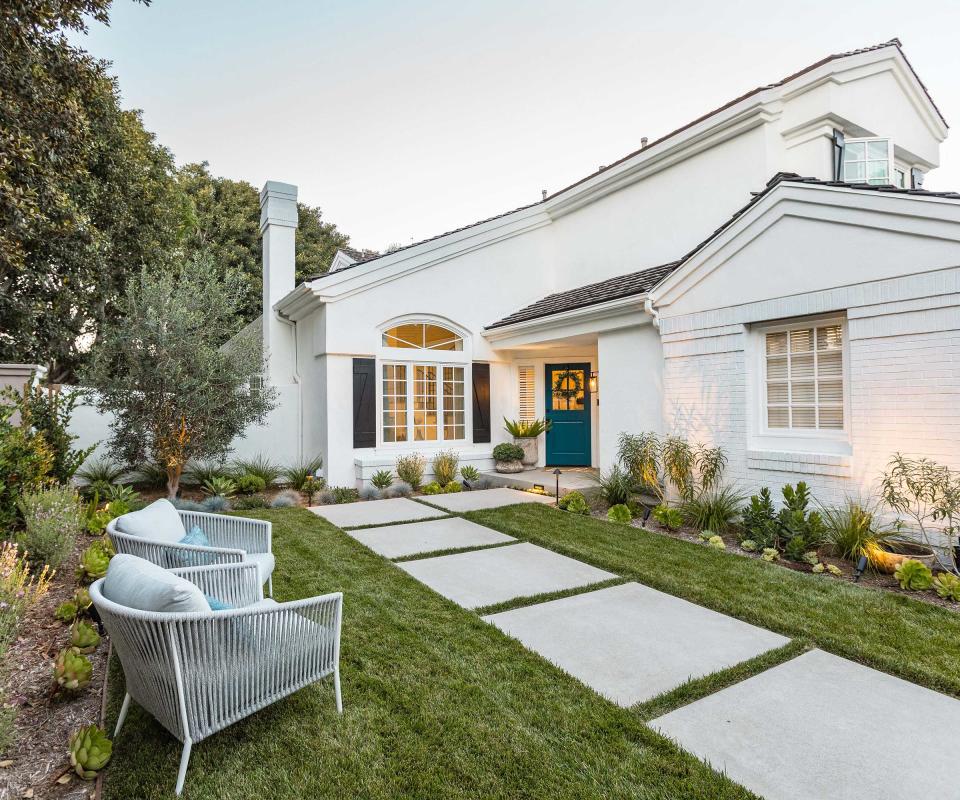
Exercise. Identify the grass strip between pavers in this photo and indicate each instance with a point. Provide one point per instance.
(546, 597)
(437, 704)
(451, 551)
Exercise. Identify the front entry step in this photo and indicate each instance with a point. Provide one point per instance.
(573, 480)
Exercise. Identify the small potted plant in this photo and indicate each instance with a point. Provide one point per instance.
(508, 457)
(526, 434)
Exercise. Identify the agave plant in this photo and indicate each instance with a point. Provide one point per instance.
(382, 479)
(219, 486)
(93, 562)
(100, 473)
(72, 670)
(90, 750)
(469, 473)
(526, 428)
(84, 637)
(298, 475)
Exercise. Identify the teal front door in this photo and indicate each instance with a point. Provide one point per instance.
(568, 409)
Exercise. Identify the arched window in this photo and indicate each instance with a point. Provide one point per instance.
(422, 336)
(422, 394)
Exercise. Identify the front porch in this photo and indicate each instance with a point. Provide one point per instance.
(571, 479)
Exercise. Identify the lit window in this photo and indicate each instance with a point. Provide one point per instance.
(527, 391)
(804, 378)
(423, 403)
(422, 336)
(868, 161)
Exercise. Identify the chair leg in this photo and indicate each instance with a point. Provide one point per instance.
(270, 586)
(184, 760)
(123, 714)
(336, 689)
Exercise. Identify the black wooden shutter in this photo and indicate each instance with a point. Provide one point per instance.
(481, 403)
(364, 402)
(837, 155)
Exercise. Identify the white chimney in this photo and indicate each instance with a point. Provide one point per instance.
(278, 225)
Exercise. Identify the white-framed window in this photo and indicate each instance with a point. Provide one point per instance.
(422, 336)
(869, 161)
(423, 402)
(527, 392)
(899, 178)
(803, 385)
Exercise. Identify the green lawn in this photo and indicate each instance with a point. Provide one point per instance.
(891, 632)
(437, 704)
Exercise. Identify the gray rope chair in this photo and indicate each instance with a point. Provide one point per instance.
(199, 672)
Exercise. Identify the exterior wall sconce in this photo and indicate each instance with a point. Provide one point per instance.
(594, 382)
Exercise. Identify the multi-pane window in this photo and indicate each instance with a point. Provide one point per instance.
(394, 402)
(868, 161)
(527, 392)
(423, 403)
(454, 415)
(804, 378)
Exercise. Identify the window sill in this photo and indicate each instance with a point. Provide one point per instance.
(810, 463)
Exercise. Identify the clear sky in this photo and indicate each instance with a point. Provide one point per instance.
(402, 120)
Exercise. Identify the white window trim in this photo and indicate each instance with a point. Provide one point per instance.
(763, 438)
(411, 443)
(891, 160)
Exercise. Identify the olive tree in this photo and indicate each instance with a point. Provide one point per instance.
(162, 370)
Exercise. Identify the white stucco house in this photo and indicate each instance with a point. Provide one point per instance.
(770, 277)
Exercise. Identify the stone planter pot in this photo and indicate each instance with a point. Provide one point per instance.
(888, 556)
(531, 452)
(509, 467)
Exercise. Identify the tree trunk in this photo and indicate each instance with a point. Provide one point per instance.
(173, 480)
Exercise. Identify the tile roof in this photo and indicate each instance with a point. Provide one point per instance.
(611, 289)
(644, 281)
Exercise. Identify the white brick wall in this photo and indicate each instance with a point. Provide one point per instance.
(904, 383)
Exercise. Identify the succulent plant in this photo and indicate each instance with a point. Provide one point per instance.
(72, 670)
(947, 585)
(66, 611)
(834, 570)
(93, 563)
(432, 488)
(749, 545)
(670, 518)
(575, 504)
(469, 473)
(717, 543)
(707, 535)
(913, 575)
(90, 750)
(453, 487)
(619, 513)
(811, 557)
(81, 599)
(770, 554)
(818, 568)
(84, 637)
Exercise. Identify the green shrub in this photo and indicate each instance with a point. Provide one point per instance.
(250, 502)
(453, 487)
(469, 473)
(48, 413)
(433, 488)
(344, 494)
(52, 519)
(298, 475)
(948, 586)
(507, 452)
(250, 484)
(715, 509)
(260, 465)
(914, 575)
(410, 469)
(198, 473)
(850, 528)
(122, 494)
(670, 518)
(382, 479)
(220, 487)
(759, 520)
(616, 486)
(26, 462)
(576, 503)
(619, 513)
(570, 497)
(445, 466)
(799, 530)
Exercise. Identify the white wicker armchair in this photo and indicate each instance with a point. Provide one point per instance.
(233, 540)
(199, 672)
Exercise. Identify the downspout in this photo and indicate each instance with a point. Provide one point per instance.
(296, 380)
(649, 309)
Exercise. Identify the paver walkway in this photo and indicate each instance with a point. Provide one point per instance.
(375, 512)
(818, 726)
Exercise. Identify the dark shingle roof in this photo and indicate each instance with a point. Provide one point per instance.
(592, 294)
(644, 281)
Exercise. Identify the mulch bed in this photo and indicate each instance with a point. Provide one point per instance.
(39, 759)
(871, 578)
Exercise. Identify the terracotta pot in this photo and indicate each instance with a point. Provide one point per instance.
(887, 556)
(530, 451)
(509, 466)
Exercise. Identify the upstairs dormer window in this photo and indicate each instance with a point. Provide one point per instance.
(869, 161)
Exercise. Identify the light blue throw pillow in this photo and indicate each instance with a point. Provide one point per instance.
(196, 537)
(216, 604)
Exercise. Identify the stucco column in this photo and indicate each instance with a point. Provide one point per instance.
(278, 225)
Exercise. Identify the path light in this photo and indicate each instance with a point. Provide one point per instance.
(860, 568)
(558, 473)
